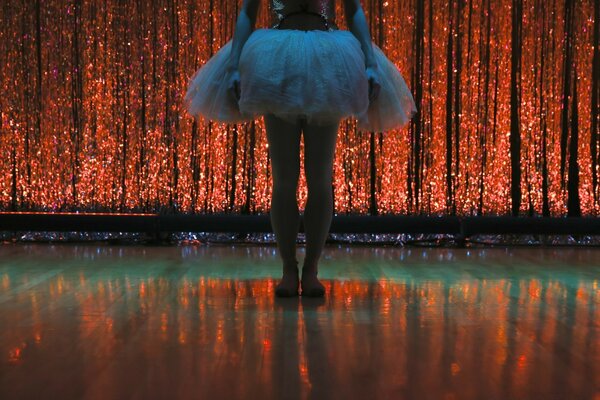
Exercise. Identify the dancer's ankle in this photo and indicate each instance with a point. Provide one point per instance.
(290, 266)
(310, 268)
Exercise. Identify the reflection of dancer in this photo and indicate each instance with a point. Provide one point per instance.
(304, 75)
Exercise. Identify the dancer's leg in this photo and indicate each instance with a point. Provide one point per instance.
(319, 151)
(284, 149)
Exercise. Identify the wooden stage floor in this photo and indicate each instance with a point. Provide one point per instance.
(97, 321)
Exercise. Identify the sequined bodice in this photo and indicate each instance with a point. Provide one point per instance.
(325, 8)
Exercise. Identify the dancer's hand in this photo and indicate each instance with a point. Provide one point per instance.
(374, 85)
(233, 84)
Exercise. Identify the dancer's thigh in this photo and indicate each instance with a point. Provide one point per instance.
(319, 152)
(283, 138)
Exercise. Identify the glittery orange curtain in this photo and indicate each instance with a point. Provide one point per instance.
(92, 115)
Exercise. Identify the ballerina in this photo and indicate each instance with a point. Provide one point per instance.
(304, 75)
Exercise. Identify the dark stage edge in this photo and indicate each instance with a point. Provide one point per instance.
(386, 229)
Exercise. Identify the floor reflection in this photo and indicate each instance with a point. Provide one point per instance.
(191, 322)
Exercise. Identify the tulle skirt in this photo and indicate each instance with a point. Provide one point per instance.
(316, 75)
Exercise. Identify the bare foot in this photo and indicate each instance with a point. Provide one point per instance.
(288, 286)
(311, 286)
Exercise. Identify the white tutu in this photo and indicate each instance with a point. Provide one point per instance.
(318, 75)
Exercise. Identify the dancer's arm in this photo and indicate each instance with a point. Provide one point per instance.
(357, 24)
(243, 28)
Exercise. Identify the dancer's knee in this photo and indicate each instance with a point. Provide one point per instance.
(320, 191)
(319, 178)
(284, 188)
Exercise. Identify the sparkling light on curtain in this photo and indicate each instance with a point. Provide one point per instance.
(92, 118)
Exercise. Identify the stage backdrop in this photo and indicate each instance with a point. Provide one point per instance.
(92, 116)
